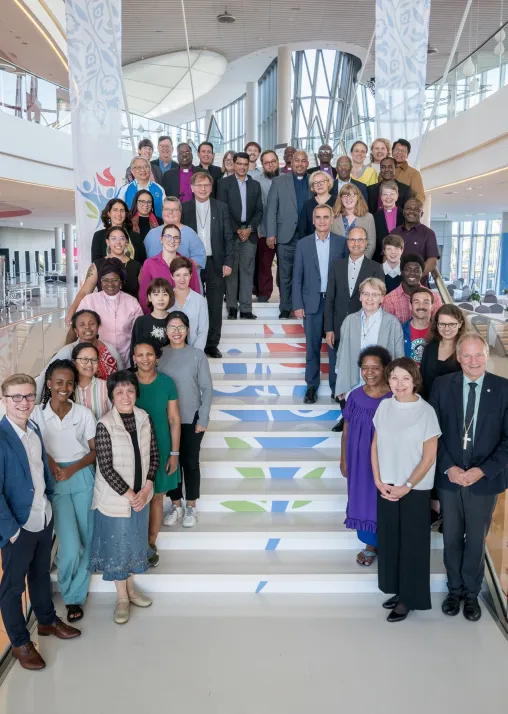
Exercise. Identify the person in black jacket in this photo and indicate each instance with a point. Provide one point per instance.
(164, 162)
(116, 213)
(210, 219)
(387, 173)
(242, 196)
(472, 461)
(439, 355)
(206, 155)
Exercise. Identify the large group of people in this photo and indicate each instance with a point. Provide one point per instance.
(117, 418)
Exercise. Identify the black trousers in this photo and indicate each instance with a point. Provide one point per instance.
(28, 557)
(190, 446)
(214, 287)
(403, 531)
(466, 521)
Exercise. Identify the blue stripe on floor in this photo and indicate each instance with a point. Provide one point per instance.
(261, 585)
(272, 543)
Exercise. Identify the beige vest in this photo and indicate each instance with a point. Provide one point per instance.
(106, 499)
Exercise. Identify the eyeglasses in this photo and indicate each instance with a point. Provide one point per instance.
(172, 210)
(447, 325)
(18, 398)
(170, 238)
(141, 202)
(348, 196)
(319, 183)
(356, 240)
(177, 328)
(110, 281)
(325, 151)
(88, 360)
(371, 295)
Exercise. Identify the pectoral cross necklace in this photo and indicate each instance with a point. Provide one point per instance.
(466, 432)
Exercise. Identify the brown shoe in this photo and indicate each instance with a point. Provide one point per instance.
(59, 629)
(28, 657)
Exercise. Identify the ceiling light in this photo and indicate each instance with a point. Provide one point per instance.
(225, 18)
(449, 193)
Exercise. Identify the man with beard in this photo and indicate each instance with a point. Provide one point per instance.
(416, 329)
(387, 173)
(344, 166)
(263, 278)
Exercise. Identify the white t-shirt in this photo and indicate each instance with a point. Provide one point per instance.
(66, 440)
(402, 428)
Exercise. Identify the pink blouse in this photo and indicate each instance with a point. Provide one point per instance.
(157, 267)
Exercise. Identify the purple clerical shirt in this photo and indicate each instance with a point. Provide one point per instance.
(185, 185)
(327, 170)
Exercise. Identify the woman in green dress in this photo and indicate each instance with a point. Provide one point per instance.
(158, 396)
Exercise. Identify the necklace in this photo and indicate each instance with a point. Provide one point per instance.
(202, 224)
(366, 331)
(112, 309)
(466, 432)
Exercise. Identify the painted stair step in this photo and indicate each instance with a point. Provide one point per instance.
(262, 310)
(258, 412)
(267, 328)
(278, 464)
(248, 363)
(253, 385)
(271, 435)
(266, 572)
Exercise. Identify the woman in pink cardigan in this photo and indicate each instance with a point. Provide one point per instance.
(158, 266)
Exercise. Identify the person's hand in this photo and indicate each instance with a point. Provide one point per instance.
(172, 464)
(300, 314)
(384, 489)
(343, 467)
(142, 497)
(330, 339)
(271, 241)
(398, 492)
(200, 429)
(64, 473)
(471, 476)
(15, 536)
(226, 271)
(456, 475)
(68, 319)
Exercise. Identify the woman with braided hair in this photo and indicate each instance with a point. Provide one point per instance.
(68, 433)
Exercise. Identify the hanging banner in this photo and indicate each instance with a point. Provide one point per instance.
(402, 37)
(96, 114)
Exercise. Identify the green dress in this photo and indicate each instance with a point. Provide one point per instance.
(153, 398)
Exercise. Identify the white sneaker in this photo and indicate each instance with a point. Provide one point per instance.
(173, 515)
(190, 517)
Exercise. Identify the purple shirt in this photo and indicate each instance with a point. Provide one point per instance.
(185, 186)
(391, 219)
(327, 170)
(420, 240)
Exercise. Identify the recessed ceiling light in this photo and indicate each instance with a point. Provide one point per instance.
(449, 193)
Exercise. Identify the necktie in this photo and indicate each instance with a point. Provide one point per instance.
(469, 425)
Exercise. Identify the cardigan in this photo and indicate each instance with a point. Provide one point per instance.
(367, 222)
(348, 372)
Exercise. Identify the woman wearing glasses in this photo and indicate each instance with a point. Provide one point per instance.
(320, 184)
(350, 211)
(143, 215)
(188, 368)
(91, 392)
(158, 266)
(439, 356)
(117, 310)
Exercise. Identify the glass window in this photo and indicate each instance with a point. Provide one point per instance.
(453, 258)
(466, 256)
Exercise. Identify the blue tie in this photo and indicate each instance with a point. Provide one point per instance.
(469, 425)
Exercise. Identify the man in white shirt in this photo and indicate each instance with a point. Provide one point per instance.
(253, 149)
(26, 524)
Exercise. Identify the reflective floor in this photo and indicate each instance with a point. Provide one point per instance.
(246, 654)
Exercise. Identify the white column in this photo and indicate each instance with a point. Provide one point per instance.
(251, 112)
(69, 254)
(284, 95)
(58, 249)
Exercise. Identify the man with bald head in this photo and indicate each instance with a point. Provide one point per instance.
(286, 199)
(343, 176)
(325, 155)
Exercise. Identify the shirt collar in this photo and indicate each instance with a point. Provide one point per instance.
(356, 262)
(478, 381)
(18, 430)
(48, 413)
(392, 272)
(318, 239)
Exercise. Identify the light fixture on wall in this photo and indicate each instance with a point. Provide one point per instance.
(468, 69)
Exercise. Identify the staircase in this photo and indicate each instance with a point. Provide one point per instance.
(273, 499)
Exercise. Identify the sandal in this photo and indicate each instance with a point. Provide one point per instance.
(74, 613)
(369, 556)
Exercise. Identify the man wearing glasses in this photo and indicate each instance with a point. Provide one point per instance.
(190, 243)
(26, 524)
(140, 169)
(325, 156)
(177, 182)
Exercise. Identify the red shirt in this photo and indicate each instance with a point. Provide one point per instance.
(398, 303)
(418, 341)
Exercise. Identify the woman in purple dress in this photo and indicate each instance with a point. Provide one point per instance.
(355, 463)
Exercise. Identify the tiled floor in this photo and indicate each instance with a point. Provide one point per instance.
(216, 654)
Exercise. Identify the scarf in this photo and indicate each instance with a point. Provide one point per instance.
(152, 220)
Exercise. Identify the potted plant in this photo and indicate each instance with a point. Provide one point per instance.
(475, 298)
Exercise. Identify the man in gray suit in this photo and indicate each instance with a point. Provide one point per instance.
(286, 199)
(263, 278)
(313, 258)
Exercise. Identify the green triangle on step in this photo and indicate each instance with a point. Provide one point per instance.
(254, 472)
(300, 504)
(243, 506)
(315, 473)
(234, 442)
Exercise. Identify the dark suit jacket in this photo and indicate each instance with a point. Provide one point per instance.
(171, 180)
(221, 235)
(359, 185)
(316, 168)
(216, 173)
(382, 231)
(338, 303)
(306, 273)
(157, 171)
(490, 447)
(16, 485)
(229, 193)
(405, 194)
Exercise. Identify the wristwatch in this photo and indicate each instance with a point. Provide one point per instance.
(409, 485)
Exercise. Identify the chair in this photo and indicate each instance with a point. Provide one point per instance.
(465, 306)
(466, 292)
(484, 309)
(451, 291)
(490, 292)
(497, 308)
(489, 298)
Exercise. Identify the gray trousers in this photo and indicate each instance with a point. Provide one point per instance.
(239, 283)
(285, 260)
(466, 521)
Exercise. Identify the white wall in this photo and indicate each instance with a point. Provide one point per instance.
(23, 239)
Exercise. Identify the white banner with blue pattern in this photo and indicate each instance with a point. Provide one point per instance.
(402, 34)
(96, 108)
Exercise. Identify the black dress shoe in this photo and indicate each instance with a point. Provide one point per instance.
(248, 316)
(339, 426)
(399, 613)
(213, 352)
(472, 609)
(310, 396)
(232, 314)
(284, 315)
(391, 602)
(451, 605)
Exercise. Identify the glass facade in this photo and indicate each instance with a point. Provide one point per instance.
(267, 106)
(475, 252)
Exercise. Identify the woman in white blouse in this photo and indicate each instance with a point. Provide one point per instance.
(403, 462)
(189, 302)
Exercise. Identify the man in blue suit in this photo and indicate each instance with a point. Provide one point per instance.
(26, 523)
(471, 469)
(314, 255)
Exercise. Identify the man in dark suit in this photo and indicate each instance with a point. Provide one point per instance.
(471, 469)
(206, 155)
(313, 258)
(26, 524)
(387, 173)
(344, 166)
(164, 162)
(177, 181)
(286, 200)
(325, 156)
(210, 219)
(242, 196)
